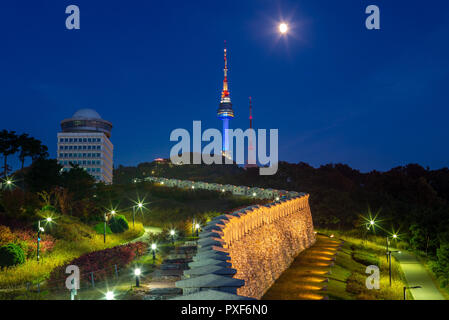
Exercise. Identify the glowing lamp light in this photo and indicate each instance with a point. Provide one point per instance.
(137, 272)
(162, 182)
(113, 212)
(49, 219)
(197, 226)
(254, 194)
(8, 181)
(277, 198)
(110, 295)
(283, 28)
(41, 229)
(395, 236)
(222, 190)
(140, 205)
(193, 187)
(153, 246)
(172, 232)
(371, 222)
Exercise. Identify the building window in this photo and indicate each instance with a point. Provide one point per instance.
(61, 140)
(84, 140)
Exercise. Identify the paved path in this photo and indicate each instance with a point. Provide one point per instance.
(146, 235)
(417, 275)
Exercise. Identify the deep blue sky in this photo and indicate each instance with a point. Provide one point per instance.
(336, 91)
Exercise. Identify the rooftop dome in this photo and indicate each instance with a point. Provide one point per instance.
(86, 114)
(86, 120)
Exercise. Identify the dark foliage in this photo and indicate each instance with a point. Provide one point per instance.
(11, 255)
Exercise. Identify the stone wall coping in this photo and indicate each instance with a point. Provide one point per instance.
(212, 248)
(210, 281)
(212, 233)
(212, 254)
(210, 238)
(213, 269)
(210, 243)
(211, 295)
(209, 261)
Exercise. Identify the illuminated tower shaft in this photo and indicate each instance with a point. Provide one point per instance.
(251, 156)
(225, 111)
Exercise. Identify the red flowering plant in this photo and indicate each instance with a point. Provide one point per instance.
(26, 239)
(100, 263)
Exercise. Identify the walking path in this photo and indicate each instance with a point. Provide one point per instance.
(417, 275)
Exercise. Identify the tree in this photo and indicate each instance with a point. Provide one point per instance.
(31, 147)
(9, 145)
(443, 258)
(78, 182)
(44, 175)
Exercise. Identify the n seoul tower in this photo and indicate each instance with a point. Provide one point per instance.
(225, 112)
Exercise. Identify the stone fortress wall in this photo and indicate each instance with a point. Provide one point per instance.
(241, 254)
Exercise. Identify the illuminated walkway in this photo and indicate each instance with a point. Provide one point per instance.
(417, 275)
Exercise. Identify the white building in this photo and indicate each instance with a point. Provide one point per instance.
(84, 141)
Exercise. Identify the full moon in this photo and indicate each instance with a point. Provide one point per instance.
(283, 28)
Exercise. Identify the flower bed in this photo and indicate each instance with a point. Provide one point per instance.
(101, 263)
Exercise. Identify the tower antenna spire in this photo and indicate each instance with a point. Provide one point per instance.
(225, 93)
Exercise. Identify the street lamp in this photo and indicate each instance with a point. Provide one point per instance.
(394, 236)
(39, 230)
(405, 290)
(138, 205)
(283, 28)
(110, 295)
(389, 262)
(153, 249)
(197, 227)
(172, 233)
(137, 273)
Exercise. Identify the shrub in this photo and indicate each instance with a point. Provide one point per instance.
(99, 228)
(118, 224)
(6, 236)
(11, 255)
(101, 262)
(443, 282)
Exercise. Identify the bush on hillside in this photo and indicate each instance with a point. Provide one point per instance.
(102, 262)
(118, 224)
(99, 228)
(11, 255)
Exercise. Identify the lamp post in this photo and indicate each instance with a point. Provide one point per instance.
(39, 230)
(137, 273)
(172, 234)
(140, 206)
(389, 262)
(110, 295)
(153, 249)
(405, 290)
(388, 243)
(197, 227)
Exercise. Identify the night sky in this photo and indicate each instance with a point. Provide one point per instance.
(336, 91)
